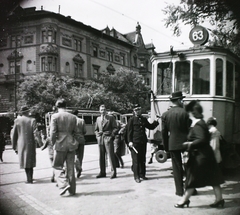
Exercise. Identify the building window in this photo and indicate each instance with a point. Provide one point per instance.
(67, 42)
(28, 39)
(229, 86)
(49, 64)
(1, 68)
(11, 95)
(122, 57)
(182, 76)
(12, 67)
(48, 36)
(110, 56)
(78, 45)
(67, 67)
(29, 65)
(96, 74)
(95, 51)
(15, 40)
(78, 70)
(219, 77)
(135, 60)
(147, 81)
(3, 42)
(201, 76)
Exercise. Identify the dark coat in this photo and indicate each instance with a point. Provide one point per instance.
(24, 136)
(201, 169)
(175, 127)
(137, 129)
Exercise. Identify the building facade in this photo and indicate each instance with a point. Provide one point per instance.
(42, 42)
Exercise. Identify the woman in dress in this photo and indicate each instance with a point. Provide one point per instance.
(215, 137)
(201, 168)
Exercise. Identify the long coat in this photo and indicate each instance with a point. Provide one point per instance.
(24, 134)
(201, 168)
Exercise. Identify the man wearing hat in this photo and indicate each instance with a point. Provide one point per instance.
(175, 127)
(137, 141)
(23, 137)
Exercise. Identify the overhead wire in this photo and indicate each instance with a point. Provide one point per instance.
(142, 23)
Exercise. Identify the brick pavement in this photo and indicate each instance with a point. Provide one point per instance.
(105, 196)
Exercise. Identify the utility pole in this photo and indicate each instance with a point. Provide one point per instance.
(15, 78)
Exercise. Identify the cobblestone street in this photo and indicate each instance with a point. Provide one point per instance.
(105, 196)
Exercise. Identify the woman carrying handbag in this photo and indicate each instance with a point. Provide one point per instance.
(201, 167)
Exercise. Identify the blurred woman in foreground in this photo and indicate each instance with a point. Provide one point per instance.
(201, 168)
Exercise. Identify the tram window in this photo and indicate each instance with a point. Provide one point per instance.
(219, 77)
(229, 87)
(87, 119)
(237, 83)
(94, 119)
(182, 77)
(164, 78)
(201, 76)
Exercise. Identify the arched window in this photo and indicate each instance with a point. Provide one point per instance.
(29, 65)
(67, 67)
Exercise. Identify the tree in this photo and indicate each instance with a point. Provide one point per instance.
(125, 87)
(118, 91)
(223, 16)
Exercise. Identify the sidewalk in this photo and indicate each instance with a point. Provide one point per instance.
(105, 196)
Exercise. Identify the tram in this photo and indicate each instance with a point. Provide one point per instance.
(89, 116)
(208, 74)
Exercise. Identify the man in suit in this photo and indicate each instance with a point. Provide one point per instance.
(79, 136)
(63, 126)
(105, 130)
(175, 127)
(23, 137)
(137, 141)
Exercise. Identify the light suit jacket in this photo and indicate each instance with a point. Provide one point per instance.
(81, 131)
(106, 128)
(63, 126)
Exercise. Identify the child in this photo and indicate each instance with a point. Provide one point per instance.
(47, 144)
(215, 135)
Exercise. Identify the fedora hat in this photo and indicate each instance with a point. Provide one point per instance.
(176, 95)
(24, 109)
(136, 106)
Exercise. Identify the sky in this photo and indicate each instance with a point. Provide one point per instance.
(122, 15)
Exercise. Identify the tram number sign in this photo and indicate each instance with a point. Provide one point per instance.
(199, 35)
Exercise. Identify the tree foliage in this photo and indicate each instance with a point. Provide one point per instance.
(118, 91)
(223, 16)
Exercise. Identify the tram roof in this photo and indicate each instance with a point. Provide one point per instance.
(196, 51)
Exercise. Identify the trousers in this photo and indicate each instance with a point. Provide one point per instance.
(66, 177)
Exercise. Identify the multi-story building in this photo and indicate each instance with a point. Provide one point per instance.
(42, 42)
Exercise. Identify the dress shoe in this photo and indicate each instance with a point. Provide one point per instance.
(52, 179)
(79, 173)
(113, 176)
(29, 182)
(100, 176)
(194, 192)
(143, 177)
(150, 161)
(138, 180)
(218, 203)
(63, 190)
(183, 204)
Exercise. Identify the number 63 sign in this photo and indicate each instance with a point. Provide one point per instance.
(199, 35)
